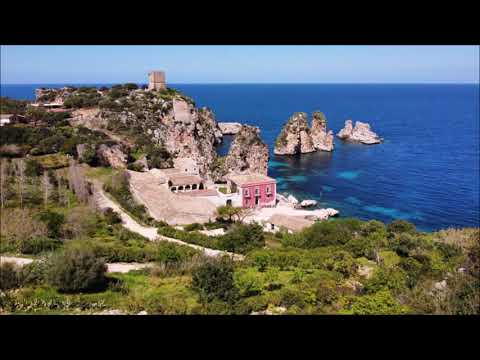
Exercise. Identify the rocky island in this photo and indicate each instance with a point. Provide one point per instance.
(360, 133)
(297, 138)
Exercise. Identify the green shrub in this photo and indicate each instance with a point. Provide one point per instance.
(248, 282)
(393, 279)
(34, 273)
(112, 217)
(193, 227)
(53, 221)
(401, 226)
(33, 168)
(380, 303)
(77, 270)
(324, 233)
(243, 238)
(214, 281)
(38, 244)
(10, 276)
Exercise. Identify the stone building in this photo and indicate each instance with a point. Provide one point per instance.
(156, 80)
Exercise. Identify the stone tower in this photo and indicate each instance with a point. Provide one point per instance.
(156, 80)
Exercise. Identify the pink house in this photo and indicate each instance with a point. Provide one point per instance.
(256, 190)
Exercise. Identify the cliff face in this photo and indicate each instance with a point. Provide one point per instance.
(322, 139)
(248, 153)
(360, 133)
(296, 137)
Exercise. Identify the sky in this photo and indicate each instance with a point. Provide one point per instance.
(240, 64)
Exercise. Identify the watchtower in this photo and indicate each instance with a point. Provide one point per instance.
(156, 80)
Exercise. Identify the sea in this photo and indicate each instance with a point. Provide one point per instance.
(427, 171)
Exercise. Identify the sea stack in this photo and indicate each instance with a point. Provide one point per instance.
(322, 139)
(360, 133)
(248, 154)
(297, 138)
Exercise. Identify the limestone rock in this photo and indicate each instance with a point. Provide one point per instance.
(360, 133)
(321, 138)
(248, 154)
(308, 203)
(112, 156)
(229, 128)
(295, 136)
(142, 163)
(271, 310)
(292, 200)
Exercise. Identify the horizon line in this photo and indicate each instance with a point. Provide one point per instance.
(254, 83)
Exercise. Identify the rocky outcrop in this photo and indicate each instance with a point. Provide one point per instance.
(248, 154)
(322, 139)
(297, 138)
(112, 156)
(52, 95)
(308, 203)
(229, 128)
(360, 133)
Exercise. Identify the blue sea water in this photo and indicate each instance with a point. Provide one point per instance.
(426, 171)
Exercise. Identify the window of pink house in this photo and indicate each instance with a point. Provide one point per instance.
(257, 191)
(269, 189)
(246, 193)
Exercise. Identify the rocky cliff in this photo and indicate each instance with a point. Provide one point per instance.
(360, 133)
(248, 153)
(322, 139)
(296, 137)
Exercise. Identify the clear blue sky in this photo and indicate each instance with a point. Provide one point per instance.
(237, 64)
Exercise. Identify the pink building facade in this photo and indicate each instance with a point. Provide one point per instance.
(256, 190)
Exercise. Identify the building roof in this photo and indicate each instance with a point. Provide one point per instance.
(246, 179)
(180, 179)
(294, 223)
(195, 193)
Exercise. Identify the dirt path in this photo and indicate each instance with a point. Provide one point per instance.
(150, 233)
(111, 267)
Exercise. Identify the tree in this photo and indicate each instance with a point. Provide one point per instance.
(46, 187)
(228, 212)
(75, 270)
(214, 280)
(53, 221)
(36, 114)
(77, 181)
(20, 180)
(3, 175)
(243, 238)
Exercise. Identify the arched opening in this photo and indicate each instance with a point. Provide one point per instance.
(187, 187)
(229, 202)
(180, 188)
(200, 187)
(194, 187)
(173, 188)
(169, 183)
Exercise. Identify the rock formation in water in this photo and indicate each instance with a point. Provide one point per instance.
(360, 133)
(248, 153)
(322, 139)
(296, 137)
(229, 128)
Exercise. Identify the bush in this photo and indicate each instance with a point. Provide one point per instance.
(324, 233)
(53, 221)
(401, 226)
(112, 217)
(380, 303)
(10, 276)
(243, 238)
(33, 168)
(76, 270)
(34, 273)
(214, 281)
(393, 279)
(193, 227)
(38, 244)
(248, 282)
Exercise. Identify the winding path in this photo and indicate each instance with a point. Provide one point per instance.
(151, 233)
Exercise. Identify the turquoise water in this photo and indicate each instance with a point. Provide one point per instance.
(426, 171)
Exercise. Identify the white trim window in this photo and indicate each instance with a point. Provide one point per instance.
(246, 192)
(257, 191)
(269, 189)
